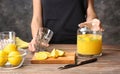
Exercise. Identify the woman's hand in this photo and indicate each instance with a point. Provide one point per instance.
(33, 43)
(94, 25)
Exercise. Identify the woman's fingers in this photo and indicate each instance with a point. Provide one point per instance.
(45, 44)
(85, 24)
(94, 25)
(31, 47)
(97, 25)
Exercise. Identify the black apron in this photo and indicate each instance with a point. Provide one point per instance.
(63, 17)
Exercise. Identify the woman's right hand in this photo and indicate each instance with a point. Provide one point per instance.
(33, 43)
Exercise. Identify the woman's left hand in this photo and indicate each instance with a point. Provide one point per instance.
(94, 25)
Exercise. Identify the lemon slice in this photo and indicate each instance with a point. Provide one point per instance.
(48, 53)
(41, 56)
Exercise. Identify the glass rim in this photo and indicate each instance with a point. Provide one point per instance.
(7, 31)
(45, 28)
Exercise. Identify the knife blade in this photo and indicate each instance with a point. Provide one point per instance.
(81, 63)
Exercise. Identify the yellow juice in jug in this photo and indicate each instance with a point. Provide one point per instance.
(89, 44)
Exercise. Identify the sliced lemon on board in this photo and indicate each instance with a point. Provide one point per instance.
(48, 53)
(54, 53)
(41, 56)
(60, 52)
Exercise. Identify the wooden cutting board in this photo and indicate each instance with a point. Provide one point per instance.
(69, 58)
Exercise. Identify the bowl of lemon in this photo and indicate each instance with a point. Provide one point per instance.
(12, 57)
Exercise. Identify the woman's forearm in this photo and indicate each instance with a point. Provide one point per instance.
(91, 14)
(35, 25)
(37, 17)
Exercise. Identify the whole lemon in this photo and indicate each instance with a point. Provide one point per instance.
(14, 58)
(9, 48)
(3, 58)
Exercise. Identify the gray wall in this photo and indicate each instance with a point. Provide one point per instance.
(16, 15)
(109, 13)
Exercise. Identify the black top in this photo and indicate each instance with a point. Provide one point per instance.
(63, 17)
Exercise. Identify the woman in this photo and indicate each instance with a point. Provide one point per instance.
(62, 17)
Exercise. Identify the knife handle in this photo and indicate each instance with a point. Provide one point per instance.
(88, 61)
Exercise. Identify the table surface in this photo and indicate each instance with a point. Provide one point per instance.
(108, 63)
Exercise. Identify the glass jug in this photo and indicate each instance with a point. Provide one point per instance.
(89, 42)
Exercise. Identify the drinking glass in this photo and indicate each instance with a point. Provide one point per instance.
(43, 37)
(6, 37)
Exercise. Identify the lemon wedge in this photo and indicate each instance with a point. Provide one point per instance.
(54, 53)
(60, 52)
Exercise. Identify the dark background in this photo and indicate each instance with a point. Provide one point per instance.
(16, 15)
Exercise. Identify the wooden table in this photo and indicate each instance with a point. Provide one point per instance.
(108, 63)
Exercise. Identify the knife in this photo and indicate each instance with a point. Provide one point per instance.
(81, 63)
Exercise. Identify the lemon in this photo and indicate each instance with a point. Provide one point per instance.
(14, 58)
(54, 53)
(41, 56)
(9, 48)
(3, 58)
(60, 52)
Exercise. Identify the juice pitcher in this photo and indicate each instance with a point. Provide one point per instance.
(89, 42)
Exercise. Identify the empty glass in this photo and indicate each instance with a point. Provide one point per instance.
(43, 37)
